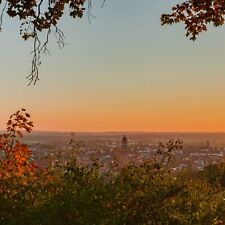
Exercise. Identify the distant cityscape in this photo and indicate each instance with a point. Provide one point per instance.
(199, 149)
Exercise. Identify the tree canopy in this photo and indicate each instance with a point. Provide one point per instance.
(43, 16)
(196, 15)
(103, 192)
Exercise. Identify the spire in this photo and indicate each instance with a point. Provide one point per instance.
(124, 141)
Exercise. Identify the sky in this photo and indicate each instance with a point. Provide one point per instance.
(122, 71)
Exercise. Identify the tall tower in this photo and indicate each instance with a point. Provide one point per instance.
(207, 144)
(124, 141)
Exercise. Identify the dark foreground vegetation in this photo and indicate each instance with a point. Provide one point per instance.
(71, 194)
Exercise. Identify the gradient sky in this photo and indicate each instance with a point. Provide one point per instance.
(122, 72)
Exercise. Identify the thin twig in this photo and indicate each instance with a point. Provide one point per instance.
(2, 14)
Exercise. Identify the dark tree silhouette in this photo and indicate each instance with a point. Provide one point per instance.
(40, 16)
(196, 15)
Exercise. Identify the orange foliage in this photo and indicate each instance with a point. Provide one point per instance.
(16, 156)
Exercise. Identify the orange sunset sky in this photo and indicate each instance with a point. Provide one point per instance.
(121, 72)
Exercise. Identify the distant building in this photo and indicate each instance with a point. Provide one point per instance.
(207, 144)
(124, 141)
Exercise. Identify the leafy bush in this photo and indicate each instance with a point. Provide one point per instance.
(71, 194)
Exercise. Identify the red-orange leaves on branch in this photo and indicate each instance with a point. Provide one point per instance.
(15, 160)
(19, 121)
(196, 15)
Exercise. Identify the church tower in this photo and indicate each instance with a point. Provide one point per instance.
(124, 141)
